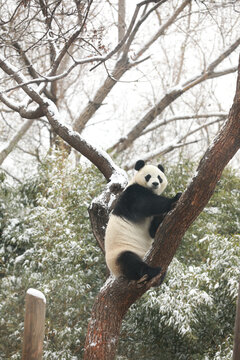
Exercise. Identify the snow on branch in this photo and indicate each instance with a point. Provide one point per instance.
(11, 70)
(194, 199)
(174, 93)
(185, 117)
(97, 156)
(9, 103)
(178, 142)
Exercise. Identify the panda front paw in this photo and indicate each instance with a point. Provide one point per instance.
(175, 199)
(177, 196)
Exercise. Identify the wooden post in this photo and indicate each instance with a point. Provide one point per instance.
(34, 325)
(236, 346)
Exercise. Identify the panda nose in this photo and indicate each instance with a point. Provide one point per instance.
(155, 184)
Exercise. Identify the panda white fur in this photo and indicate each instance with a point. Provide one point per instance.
(133, 223)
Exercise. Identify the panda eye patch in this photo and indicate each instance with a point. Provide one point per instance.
(147, 177)
(160, 179)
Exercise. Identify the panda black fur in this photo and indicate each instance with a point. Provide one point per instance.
(134, 221)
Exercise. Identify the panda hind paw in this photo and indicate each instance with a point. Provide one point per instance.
(142, 281)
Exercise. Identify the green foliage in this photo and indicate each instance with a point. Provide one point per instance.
(191, 316)
(47, 244)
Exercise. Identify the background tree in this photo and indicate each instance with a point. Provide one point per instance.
(158, 68)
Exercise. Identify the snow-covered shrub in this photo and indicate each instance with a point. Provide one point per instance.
(47, 244)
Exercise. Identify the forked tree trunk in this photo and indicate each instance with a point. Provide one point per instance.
(116, 296)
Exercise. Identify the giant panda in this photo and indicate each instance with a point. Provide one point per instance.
(133, 223)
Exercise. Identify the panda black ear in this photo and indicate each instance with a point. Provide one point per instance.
(139, 164)
(161, 167)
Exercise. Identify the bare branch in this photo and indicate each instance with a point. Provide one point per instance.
(26, 60)
(69, 42)
(124, 39)
(14, 140)
(162, 29)
(138, 24)
(97, 156)
(186, 117)
(178, 142)
(172, 95)
(119, 70)
(223, 56)
(19, 78)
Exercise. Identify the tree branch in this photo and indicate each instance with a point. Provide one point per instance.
(186, 117)
(120, 68)
(138, 24)
(69, 42)
(121, 19)
(128, 33)
(198, 193)
(117, 296)
(98, 157)
(179, 142)
(14, 140)
(172, 95)
(162, 29)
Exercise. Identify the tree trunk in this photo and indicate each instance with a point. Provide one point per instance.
(117, 296)
(121, 19)
(236, 347)
(103, 331)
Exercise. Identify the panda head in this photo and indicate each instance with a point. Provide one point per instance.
(150, 176)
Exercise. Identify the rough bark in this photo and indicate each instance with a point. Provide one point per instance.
(116, 296)
(121, 19)
(236, 347)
